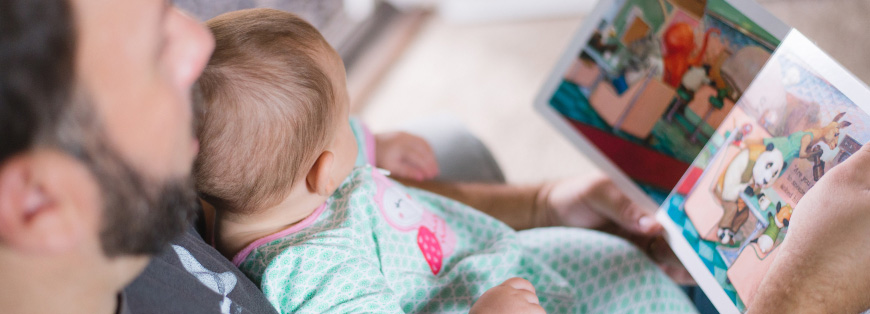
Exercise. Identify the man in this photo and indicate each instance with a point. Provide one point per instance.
(96, 148)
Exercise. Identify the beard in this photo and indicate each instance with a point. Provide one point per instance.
(140, 215)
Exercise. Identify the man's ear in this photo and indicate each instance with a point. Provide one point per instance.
(38, 212)
(319, 178)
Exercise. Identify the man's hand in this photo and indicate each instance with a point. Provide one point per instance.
(515, 295)
(596, 203)
(821, 266)
(405, 155)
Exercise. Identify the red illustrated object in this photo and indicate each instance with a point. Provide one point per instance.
(692, 177)
(430, 248)
(679, 42)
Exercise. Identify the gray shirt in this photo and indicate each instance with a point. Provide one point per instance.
(191, 277)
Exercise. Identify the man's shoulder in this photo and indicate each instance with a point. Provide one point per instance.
(192, 277)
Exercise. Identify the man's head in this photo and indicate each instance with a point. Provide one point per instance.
(95, 117)
(274, 100)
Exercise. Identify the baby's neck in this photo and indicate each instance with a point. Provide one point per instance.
(233, 232)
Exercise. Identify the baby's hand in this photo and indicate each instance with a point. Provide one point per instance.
(405, 155)
(515, 295)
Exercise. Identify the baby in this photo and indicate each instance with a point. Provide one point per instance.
(302, 212)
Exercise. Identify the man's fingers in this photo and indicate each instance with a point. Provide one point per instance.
(415, 170)
(627, 214)
(426, 157)
(678, 274)
(406, 155)
(635, 218)
(646, 223)
(426, 165)
(418, 151)
(660, 252)
(426, 148)
(416, 173)
(611, 202)
(407, 171)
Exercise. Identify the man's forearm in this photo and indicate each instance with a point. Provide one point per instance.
(518, 206)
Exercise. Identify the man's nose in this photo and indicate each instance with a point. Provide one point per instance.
(196, 45)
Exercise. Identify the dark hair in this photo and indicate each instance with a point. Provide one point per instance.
(37, 52)
(40, 105)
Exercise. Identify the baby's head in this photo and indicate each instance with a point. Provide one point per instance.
(274, 122)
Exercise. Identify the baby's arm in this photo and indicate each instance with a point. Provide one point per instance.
(515, 295)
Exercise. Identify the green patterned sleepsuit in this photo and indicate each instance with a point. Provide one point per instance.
(379, 247)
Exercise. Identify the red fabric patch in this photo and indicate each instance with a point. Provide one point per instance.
(430, 248)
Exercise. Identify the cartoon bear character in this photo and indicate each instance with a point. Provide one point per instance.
(752, 169)
(399, 210)
(433, 236)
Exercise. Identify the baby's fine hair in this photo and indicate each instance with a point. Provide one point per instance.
(267, 108)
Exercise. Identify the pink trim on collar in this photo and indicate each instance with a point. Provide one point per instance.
(370, 144)
(241, 256)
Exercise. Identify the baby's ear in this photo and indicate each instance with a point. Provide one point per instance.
(319, 177)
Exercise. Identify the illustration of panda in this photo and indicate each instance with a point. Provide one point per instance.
(752, 169)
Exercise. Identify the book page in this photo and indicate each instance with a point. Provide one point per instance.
(646, 82)
(802, 116)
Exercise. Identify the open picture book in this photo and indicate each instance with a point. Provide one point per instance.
(716, 114)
